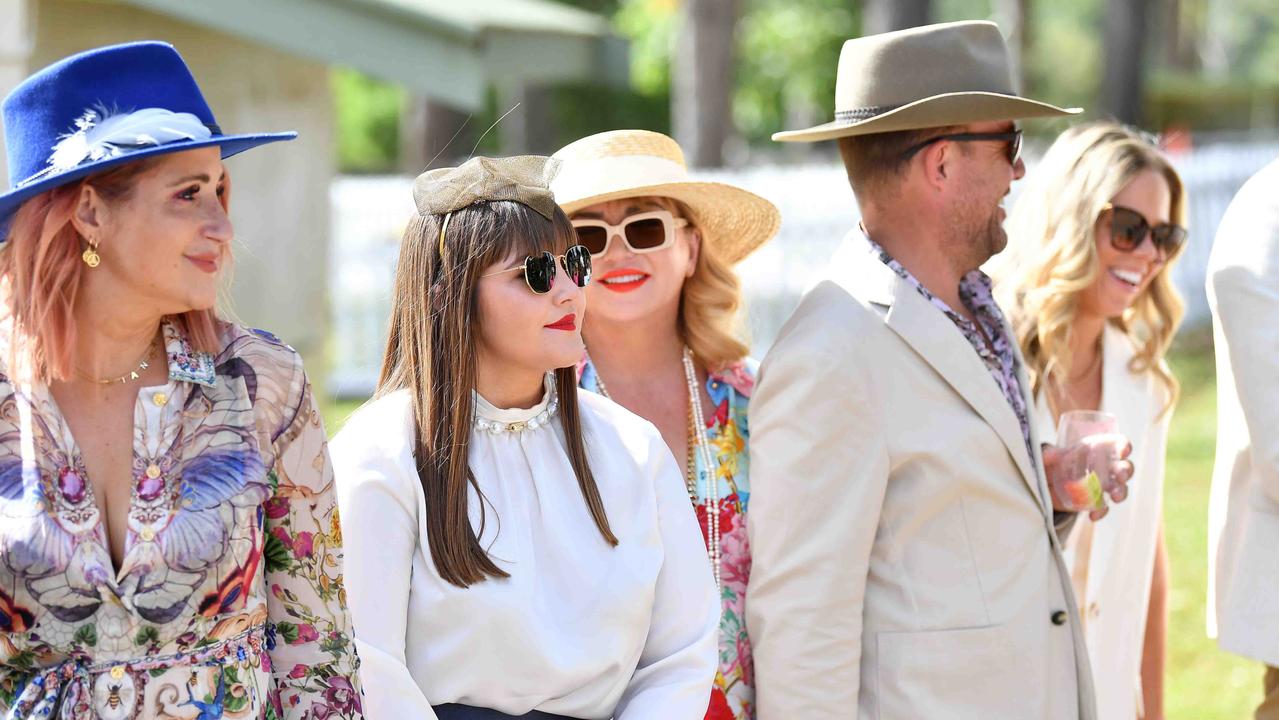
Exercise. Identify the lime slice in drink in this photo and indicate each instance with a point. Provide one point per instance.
(1093, 483)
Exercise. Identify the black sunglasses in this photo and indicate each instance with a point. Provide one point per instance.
(1128, 230)
(1012, 138)
(539, 270)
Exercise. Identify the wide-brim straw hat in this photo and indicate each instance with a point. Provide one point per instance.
(931, 76)
(639, 163)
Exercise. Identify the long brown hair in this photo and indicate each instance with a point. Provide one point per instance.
(41, 273)
(431, 352)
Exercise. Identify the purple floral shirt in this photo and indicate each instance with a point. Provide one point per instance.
(998, 355)
(229, 598)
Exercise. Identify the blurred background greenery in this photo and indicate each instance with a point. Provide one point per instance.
(1195, 65)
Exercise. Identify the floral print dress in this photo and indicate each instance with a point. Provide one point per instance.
(733, 695)
(229, 601)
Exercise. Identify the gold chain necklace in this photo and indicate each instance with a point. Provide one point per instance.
(1064, 394)
(128, 377)
(1088, 371)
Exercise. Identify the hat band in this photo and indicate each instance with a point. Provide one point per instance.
(871, 111)
(863, 113)
(585, 178)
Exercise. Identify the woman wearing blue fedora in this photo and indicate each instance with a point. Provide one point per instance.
(169, 540)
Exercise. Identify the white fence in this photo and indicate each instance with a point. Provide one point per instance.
(817, 208)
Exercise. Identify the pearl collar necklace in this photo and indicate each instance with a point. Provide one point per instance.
(492, 419)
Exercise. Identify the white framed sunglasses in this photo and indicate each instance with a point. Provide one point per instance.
(643, 232)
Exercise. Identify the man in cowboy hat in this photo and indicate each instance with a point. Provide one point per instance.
(904, 530)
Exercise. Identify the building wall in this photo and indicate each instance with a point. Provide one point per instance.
(15, 50)
(279, 201)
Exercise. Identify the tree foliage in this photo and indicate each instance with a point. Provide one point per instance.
(788, 55)
(367, 121)
(788, 50)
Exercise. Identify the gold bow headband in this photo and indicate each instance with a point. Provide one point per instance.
(525, 179)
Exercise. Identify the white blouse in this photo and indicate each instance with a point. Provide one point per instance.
(580, 628)
(1113, 578)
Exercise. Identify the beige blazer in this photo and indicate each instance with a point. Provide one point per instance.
(905, 563)
(1119, 563)
(1243, 510)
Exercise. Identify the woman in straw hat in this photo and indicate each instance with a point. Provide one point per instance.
(502, 564)
(1088, 284)
(168, 527)
(662, 338)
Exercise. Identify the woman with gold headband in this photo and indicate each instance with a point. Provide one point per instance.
(515, 549)
(1087, 283)
(664, 342)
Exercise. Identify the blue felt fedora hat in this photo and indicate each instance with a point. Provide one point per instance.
(103, 108)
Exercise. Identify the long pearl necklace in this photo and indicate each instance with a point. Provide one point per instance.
(706, 473)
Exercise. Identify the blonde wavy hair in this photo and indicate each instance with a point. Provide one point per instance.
(710, 318)
(1052, 255)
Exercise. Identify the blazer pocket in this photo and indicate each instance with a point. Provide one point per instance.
(955, 674)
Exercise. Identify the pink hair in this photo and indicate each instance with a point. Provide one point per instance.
(40, 274)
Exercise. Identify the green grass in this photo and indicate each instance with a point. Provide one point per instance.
(336, 413)
(1203, 683)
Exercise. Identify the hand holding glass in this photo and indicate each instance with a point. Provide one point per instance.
(1091, 448)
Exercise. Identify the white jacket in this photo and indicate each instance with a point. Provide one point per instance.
(1243, 512)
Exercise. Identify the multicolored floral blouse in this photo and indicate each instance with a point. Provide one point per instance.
(733, 695)
(229, 600)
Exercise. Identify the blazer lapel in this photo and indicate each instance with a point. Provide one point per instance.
(1035, 440)
(931, 334)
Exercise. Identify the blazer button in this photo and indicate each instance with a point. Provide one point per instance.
(1059, 617)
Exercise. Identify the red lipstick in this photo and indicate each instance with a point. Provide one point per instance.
(623, 279)
(567, 323)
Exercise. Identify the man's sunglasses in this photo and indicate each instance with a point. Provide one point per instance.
(1012, 138)
(642, 232)
(1128, 230)
(539, 270)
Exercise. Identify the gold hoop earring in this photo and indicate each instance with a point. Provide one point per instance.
(90, 255)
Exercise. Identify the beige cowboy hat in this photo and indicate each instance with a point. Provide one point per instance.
(638, 163)
(930, 76)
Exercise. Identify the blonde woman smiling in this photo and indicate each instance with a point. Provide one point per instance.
(1086, 282)
(662, 340)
